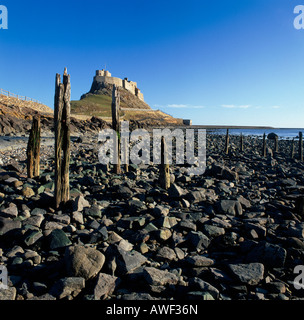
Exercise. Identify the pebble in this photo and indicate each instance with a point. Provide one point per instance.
(236, 232)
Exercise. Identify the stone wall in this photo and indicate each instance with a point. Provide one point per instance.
(129, 85)
(104, 76)
(139, 94)
(109, 80)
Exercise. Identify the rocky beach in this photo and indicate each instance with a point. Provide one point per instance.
(234, 233)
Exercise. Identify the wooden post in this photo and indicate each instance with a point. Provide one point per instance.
(241, 143)
(33, 149)
(126, 165)
(301, 146)
(227, 142)
(292, 149)
(164, 170)
(276, 144)
(62, 138)
(264, 146)
(116, 125)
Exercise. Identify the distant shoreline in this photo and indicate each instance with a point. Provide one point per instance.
(232, 127)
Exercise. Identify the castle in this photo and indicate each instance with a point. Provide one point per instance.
(104, 76)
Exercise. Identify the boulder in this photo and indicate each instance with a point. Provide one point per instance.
(80, 203)
(271, 255)
(66, 287)
(105, 286)
(231, 207)
(156, 277)
(128, 261)
(83, 262)
(58, 239)
(250, 274)
(272, 136)
(198, 240)
(7, 224)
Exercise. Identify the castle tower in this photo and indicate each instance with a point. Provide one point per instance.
(105, 77)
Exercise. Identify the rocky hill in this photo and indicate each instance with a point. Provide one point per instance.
(97, 102)
(16, 118)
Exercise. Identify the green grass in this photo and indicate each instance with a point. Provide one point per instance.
(100, 106)
(93, 105)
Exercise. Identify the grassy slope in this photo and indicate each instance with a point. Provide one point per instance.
(95, 105)
(100, 106)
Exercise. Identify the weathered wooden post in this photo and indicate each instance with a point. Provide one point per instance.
(62, 138)
(116, 125)
(301, 146)
(292, 152)
(227, 142)
(276, 144)
(241, 143)
(164, 170)
(33, 149)
(126, 165)
(264, 146)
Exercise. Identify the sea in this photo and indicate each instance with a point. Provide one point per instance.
(283, 133)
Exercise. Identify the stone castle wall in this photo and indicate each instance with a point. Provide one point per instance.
(104, 76)
(109, 80)
(130, 86)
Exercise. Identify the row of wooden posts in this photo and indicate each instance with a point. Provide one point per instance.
(264, 145)
(62, 142)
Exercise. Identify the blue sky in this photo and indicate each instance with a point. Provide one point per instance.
(225, 62)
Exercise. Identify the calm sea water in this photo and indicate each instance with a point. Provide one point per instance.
(282, 133)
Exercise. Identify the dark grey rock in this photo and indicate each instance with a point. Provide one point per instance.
(7, 224)
(270, 255)
(127, 261)
(105, 286)
(124, 192)
(213, 231)
(230, 207)
(93, 211)
(251, 273)
(198, 240)
(176, 192)
(201, 285)
(199, 261)
(70, 286)
(10, 212)
(58, 239)
(32, 236)
(136, 206)
(166, 253)
(83, 262)
(272, 136)
(156, 277)
(80, 203)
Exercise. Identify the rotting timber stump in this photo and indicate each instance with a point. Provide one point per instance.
(62, 138)
(33, 149)
(264, 145)
(227, 143)
(116, 126)
(164, 169)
